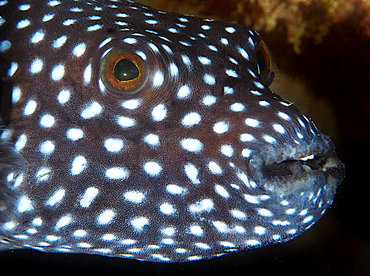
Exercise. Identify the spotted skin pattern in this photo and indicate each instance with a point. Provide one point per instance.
(200, 160)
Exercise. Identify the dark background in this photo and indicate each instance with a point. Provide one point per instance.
(329, 81)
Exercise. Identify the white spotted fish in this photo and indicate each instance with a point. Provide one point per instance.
(136, 133)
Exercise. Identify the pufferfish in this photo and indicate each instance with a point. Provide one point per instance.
(136, 133)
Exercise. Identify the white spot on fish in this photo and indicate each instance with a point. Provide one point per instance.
(152, 168)
(108, 237)
(113, 144)
(204, 60)
(222, 191)
(88, 197)
(192, 145)
(139, 223)
(152, 139)
(204, 205)
(209, 79)
(202, 245)
(175, 189)
(63, 221)
(47, 17)
(159, 112)
(237, 107)
(284, 116)
(74, 134)
(43, 174)
(173, 69)
(69, 22)
(167, 208)
(252, 122)
(246, 137)
(260, 230)
(16, 94)
(186, 60)
(13, 68)
(221, 226)
(53, 3)
(47, 147)
(269, 139)
(30, 107)
(126, 122)
(59, 42)
(264, 212)
(184, 92)
(130, 40)
(24, 7)
(214, 168)
(196, 230)
(80, 233)
(209, 100)
(238, 214)
(78, 165)
(243, 53)
(252, 242)
(134, 196)
(158, 78)
(5, 45)
(23, 24)
(220, 127)
(192, 118)
(192, 173)
(36, 66)
(227, 150)
(24, 204)
(91, 111)
(251, 199)
(231, 73)
(131, 104)
(87, 74)
(263, 103)
(56, 198)
(106, 216)
(79, 49)
(58, 72)
(116, 173)
(230, 30)
(47, 121)
(37, 37)
(279, 128)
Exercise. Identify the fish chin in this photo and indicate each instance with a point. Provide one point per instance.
(289, 169)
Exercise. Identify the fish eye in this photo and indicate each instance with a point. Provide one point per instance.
(123, 72)
(126, 70)
(264, 63)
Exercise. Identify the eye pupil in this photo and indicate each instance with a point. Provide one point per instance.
(126, 70)
(261, 59)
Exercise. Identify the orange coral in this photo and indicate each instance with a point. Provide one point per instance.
(300, 18)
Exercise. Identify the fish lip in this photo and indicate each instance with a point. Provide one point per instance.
(298, 168)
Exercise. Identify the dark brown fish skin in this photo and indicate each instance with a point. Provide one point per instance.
(201, 160)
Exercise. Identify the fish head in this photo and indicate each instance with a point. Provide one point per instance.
(156, 129)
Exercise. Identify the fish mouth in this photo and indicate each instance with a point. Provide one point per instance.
(294, 169)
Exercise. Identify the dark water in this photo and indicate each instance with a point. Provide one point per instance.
(334, 77)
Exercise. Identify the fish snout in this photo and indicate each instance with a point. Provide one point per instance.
(286, 169)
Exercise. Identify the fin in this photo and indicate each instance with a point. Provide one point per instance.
(12, 166)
